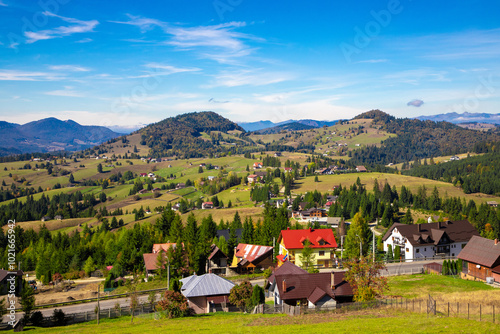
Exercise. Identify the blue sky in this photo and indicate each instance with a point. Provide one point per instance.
(126, 63)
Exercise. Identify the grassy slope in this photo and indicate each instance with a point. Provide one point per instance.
(371, 321)
(328, 181)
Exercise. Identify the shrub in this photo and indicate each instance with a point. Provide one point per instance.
(36, 318)
(59, 317)
(174, 304)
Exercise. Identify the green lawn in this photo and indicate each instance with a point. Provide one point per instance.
(370, 321)
(420, 286)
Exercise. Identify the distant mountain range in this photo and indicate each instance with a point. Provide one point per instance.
(295, 126)
(50, 134)
(466, 117)
(260, 125)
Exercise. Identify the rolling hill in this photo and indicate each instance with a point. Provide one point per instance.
(50, 134)
(295, 126)
(194, 134)
(465, 117)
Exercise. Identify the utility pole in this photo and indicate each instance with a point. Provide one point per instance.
(168, 274)
(373, 246)
(98, 305)
(360, 247)
(342, 247)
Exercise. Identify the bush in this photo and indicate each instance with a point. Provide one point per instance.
(174, 304)
(36, 318)
(268, 272)
(59, 317)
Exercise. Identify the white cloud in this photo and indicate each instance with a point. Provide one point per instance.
(85, 40)
(77, 26)
(158, 69)
(218, 42)
(415, 77)
(257, 77)
(68, 91)
(15, 75)
(372, 61)
(70, 68)
(3, 4)
(415, 103)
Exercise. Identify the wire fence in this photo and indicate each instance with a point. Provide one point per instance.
(428, 306)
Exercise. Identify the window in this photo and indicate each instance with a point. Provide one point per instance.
(321, 253)
(425, 249)
(407, 250)
(418, 250)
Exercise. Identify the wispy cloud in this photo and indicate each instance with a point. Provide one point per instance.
(417, 76)
(68, 91)
(257, 77)
(77, 26)
(84, 40)
(71, 68)
(16, 75)
(219, 42)
(3, 4)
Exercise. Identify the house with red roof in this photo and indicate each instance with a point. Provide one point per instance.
(321, 241)
(207, 205)
(249, 257)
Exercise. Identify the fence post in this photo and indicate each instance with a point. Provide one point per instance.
(435, 307)
(109, 313)
(468, 311)
(448, 309)
(493, 313)
(480, 311)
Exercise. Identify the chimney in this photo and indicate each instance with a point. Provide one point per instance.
(310, 229)
(333, 280)
(288, 228)
(496, 241)
(419, 227)
(439, 224)
(284, 285)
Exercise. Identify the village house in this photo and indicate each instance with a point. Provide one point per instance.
(144, 174)
(288, 169)
(361, 169)
(217, 261)
(207, 205)
(207, 293)
(180, 186)
(423, 241)
(322, 242)
(312, 290)
(493, 204)
(257, 165)
(481, 259)
(151, 263)
(247, 258)
(5, 285)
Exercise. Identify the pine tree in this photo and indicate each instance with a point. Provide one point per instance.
(307, 258)
(389, 257)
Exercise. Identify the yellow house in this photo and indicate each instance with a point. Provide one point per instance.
(322, 241)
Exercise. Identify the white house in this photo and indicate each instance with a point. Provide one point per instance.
(423, 241)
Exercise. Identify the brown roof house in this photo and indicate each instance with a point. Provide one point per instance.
(312, 290)
(207, 293)
(11, 282)
(217, 261)
(431, 240)
(481, 259)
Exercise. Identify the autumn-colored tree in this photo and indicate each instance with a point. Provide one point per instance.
(241, 295)
(174, 304)
(364, 277)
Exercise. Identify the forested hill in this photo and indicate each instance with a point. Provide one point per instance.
(295, 126)
(475, 174)
(193, 135)
(418, 139)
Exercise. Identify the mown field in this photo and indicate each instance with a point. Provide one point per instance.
(118, 195)
(385, 320)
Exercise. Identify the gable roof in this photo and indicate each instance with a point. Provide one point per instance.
(481, 251)
(5, 273)
(164, 247)
(216, 250)
(205, 285)
(150, 260)
(287, 268)
(313, 286)
(252, 253)
(293, 239)
(431, 233)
